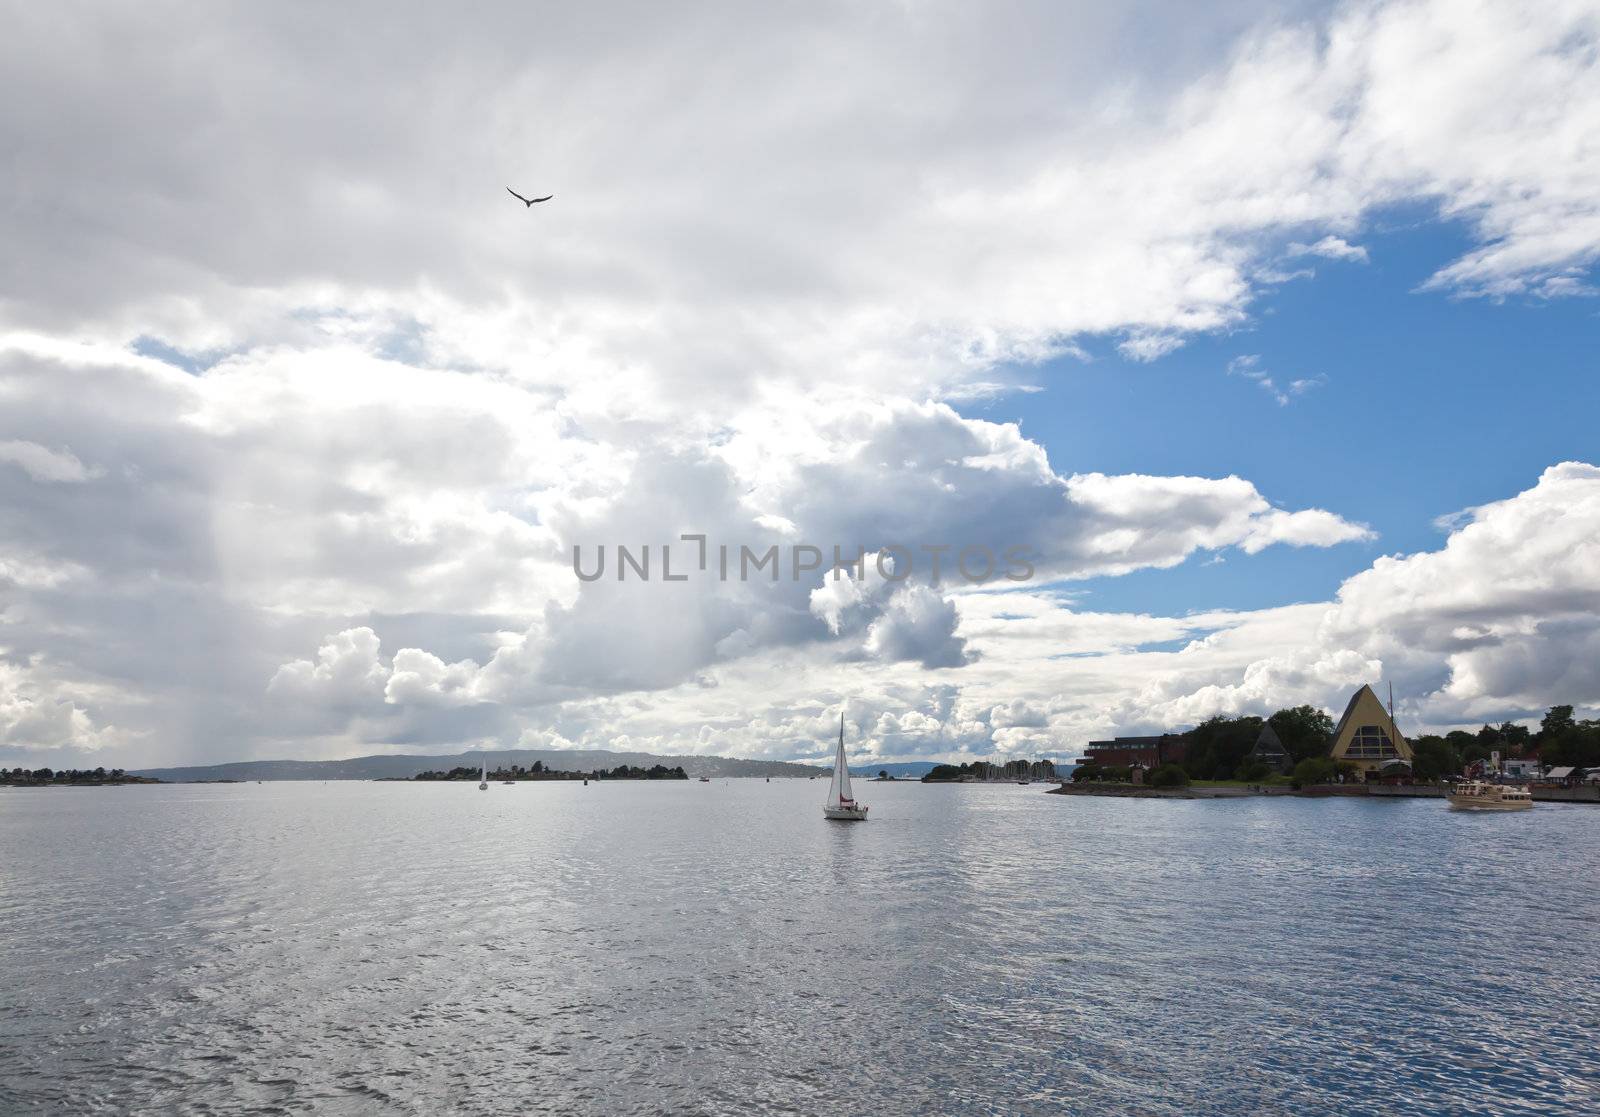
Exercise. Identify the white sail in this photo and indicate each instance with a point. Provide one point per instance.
(839, 790)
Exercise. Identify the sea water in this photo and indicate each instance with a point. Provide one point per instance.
(671, 947)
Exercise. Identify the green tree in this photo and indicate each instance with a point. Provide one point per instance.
(1312, 770)
(1517, 736)
(1216, 746)
(1304, 730)
(1467, 746)
(1577, 744)
(1434, 757)
(1087, 772)
(1556, 722)
(1253, 771)
(1168, 775)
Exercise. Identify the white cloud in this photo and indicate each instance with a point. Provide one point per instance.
(1501, 622)
(422, 679)
(39, 715)
(1498, 623)
(918, 624)
(959, 196)
(1330, 247)
(1160, 521)
(1018, 713)
(1147, 346)
(347, 672)
(44, 464)
(1309, 528)
(1509, 606)
(415, 395)
(1249, 367)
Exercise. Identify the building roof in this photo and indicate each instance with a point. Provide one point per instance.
(1364, 709)
(1349, 711)
(1133, 742)
(1561, 773)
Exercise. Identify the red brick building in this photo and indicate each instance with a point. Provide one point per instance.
(1152, 752)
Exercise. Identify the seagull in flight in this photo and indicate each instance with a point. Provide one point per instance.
(529, 202)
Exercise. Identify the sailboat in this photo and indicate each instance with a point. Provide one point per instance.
(483, 782)
(841, 806)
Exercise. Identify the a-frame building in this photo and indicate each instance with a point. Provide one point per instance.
(1366, 735)
(1270, 751)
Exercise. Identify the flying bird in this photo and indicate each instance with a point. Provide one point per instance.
(528, 201)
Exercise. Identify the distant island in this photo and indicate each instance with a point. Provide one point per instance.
(986, 771)
(899, 769)
(538, 771)
(68, 777)
(403, 766)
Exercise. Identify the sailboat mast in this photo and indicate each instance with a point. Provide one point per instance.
(1393, 726)
(840, 790)
(841, 802)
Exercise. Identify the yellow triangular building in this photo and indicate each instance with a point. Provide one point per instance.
(1366, 735)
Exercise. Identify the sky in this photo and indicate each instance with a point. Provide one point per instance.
(1263, 333)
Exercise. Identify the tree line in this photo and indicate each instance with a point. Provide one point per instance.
(990, 770)
(1219, 748)
(1560, 741)
(25, 777)
(539, 772)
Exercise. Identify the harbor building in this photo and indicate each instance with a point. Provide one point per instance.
(1366, 735)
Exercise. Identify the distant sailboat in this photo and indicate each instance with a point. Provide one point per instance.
(483, 782)
(841, 805)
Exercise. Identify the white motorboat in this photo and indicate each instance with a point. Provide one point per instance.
(1480, 795)
(841, 805)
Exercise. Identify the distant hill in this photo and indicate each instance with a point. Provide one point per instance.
(915, 769)
(404, 766)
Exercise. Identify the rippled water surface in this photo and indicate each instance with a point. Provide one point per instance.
(719, 948)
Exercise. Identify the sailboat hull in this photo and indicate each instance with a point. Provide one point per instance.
(845, 814)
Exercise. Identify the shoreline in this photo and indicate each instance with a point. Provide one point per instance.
(1351, 791)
